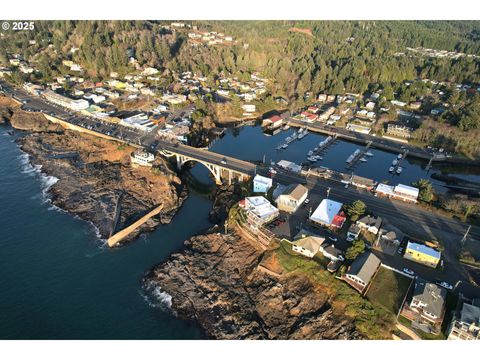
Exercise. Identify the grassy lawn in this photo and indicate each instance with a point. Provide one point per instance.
(371, 320)
(388, 289)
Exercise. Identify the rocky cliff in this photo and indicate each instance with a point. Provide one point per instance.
(216, 281)
(96, 181)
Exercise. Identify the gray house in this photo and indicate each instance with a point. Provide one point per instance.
(362, 270)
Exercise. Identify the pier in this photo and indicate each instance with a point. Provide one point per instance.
(122, 234)
(356, 156)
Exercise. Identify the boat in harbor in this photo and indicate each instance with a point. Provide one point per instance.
(279, 147)
(399, 170)
(310, 153)
(312, 159)
(286, 127)
(394, 162)
(284, 146)
(362, 159)
(368, 153)
(391, 169)
(399, 156)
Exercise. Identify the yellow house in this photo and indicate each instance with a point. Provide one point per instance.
(422, 254)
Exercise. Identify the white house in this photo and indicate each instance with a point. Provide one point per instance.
(260, 209)
(329, 213)
(262, 184)
(143, 158)
(308, 246)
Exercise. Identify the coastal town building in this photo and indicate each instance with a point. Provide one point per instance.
(401, 192)
(261, 184)
(370, 223)
(329, 213)
(422, 254)
(465, 324)
(64, 101)
(428, 301)
(292, 197)
(260, 210)
(289, 166)
(143, 158)
(401, 131)
(362, 270)
(353, 232)
(308, 246)
(273, 122)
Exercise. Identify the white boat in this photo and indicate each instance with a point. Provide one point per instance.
(312, 158)
(368, 153)
(399, 156)
(279, 147)
(316, 149)
(394, 162)
(363, 159)
(284, 146)
(399, 170)
(310, 153)
(319, 157)
(286, 127)
(391, 169)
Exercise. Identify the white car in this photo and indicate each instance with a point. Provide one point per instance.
(408, 271)
(307, 200)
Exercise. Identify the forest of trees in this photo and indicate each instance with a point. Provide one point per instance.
(324, 56)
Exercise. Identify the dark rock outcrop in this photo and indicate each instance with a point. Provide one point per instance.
(216, 282)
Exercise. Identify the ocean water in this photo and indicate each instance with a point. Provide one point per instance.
(59, 281)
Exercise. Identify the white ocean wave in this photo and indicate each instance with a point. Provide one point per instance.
(156, 297)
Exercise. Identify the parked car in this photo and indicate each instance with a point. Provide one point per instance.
(445, 285)
(307, 200)
(408, 271)
(334, 239)
(400, 250)
(224, 161)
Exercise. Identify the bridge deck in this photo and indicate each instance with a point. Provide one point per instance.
(220, 160)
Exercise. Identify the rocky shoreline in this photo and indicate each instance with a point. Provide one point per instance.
(96, 181)
(219, 281)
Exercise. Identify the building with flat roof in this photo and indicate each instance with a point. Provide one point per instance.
(66, 102)
(261, 184)
(422, 254)
(143, 158)
(329, 213)
(400, 192)
(260, 210)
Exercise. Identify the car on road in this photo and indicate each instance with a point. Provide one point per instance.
(408, 271)
(334, 239)
(444, 284)
(400, 250)
(224, 161)
(307, 200)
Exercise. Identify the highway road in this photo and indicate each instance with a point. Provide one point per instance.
(150, 141)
